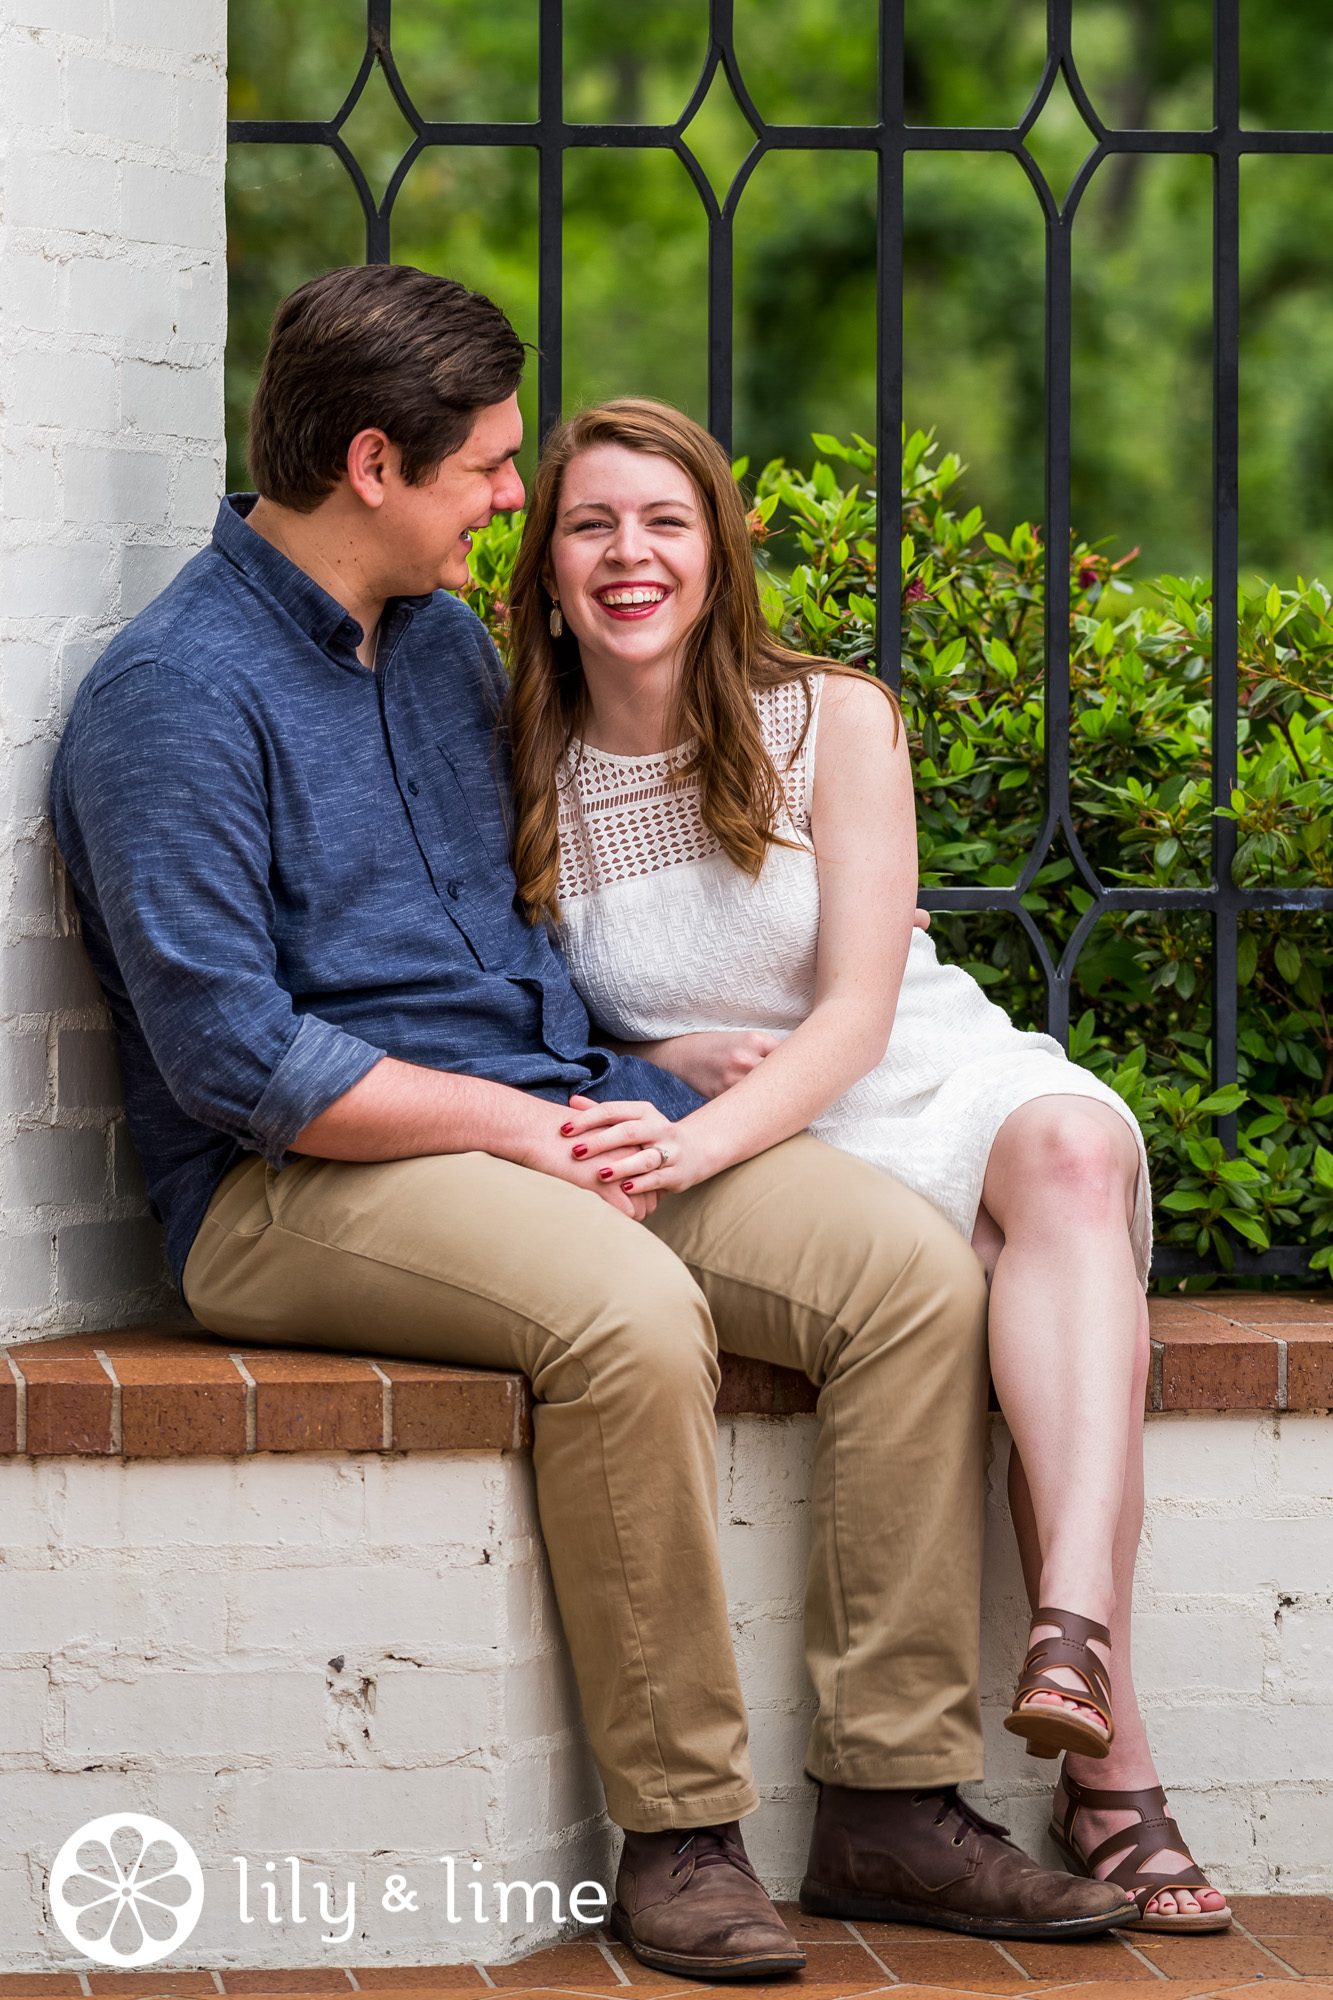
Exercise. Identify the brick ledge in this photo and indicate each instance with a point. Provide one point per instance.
(153, 1393)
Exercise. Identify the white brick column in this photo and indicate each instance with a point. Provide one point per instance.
(112, 319)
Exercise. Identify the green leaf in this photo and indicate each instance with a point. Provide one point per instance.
(1287, 958)
(1238, 1170)
(1247, 957)
(1247, 1226)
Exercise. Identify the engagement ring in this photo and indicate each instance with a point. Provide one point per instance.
(663, 1156)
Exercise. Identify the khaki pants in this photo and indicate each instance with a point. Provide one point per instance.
(805, 1257)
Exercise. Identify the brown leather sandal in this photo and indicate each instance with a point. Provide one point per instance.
(1156, 1833)
(1050, 1730)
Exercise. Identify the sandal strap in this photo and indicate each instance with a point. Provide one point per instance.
(1156, 1833)
(1071, 1652)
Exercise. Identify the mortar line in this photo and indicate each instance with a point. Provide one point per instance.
(480, 1969)
(84, 1987)
(887, 1970)
(251, 1403)
(1282, 1374)
(1158, 1349)
(352, 1980)
(1142, 1957)
(605, 1950)
(20, 1405)
(1290, 1970)
(1021, 1970)
(386, 1409)
(217, 1981)
(117, 1428)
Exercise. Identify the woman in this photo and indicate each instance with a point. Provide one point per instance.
(722, 832)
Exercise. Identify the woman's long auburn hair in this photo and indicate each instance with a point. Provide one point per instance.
(730, 652)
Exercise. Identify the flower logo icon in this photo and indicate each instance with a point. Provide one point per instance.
(126, 1890)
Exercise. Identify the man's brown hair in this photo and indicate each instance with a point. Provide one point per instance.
(374, 347)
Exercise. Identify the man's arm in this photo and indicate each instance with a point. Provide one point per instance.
(164, 814)
(401, 1111)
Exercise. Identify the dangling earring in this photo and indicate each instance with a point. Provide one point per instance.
(557, 619)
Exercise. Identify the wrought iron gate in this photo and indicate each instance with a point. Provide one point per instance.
(889, 139)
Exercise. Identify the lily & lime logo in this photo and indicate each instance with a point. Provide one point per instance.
(126, 1890)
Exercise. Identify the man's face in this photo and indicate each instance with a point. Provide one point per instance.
(426, 530)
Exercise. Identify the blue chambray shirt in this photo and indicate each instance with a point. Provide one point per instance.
(287, 867)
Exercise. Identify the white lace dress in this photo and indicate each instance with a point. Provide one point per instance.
(666, 936)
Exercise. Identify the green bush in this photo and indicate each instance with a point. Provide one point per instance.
(972, 623)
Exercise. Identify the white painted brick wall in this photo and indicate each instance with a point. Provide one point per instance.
(112, 319)
(281, 1656)
(171, 1630)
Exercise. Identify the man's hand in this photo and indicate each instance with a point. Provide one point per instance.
(402, 1111)
(549, 1151)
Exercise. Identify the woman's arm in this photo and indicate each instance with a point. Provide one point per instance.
(864, 833)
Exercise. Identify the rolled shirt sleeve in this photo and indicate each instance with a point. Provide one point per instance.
(169, 841)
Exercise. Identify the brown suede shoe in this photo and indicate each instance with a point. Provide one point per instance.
(689, 1902)
(929, 1858)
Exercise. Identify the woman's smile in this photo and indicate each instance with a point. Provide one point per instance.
(629, 601)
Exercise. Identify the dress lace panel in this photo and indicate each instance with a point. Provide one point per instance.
(625, 817)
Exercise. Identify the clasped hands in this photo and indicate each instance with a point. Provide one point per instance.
(634, 1150)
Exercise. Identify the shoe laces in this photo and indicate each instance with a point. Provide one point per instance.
(713, 1849)
(967, 1819)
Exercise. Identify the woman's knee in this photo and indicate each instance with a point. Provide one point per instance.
(1063, 1157)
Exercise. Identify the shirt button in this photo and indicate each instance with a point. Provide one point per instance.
(453, 888)
(413, 786)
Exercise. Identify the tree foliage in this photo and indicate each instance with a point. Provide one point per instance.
(636, 247)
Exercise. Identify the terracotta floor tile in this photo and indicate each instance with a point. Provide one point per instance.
(394, 1978)
(1096, 1958)
(805, 1927)
(577, 1964)
(933, 1958)
(994, 1986)
(1216, 1955)
(1285, 1916)
(1308, 1956)
(825, 1963)
(332, 1981)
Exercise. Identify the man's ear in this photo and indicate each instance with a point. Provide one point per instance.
(369, 457)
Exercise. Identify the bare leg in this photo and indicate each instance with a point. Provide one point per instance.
(1068, 1317)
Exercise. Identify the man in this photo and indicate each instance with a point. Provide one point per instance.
(347, 1059)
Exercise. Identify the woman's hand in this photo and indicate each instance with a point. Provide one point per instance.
(712, 1060)
(650, 1154)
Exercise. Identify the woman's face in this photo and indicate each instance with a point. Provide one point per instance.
(629, 557)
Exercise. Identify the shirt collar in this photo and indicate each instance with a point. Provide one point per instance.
(321, 616)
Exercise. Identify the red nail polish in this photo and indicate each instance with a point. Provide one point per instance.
(579, 1151)
(627, 1187)
(566, 1130)
(604, 1173)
